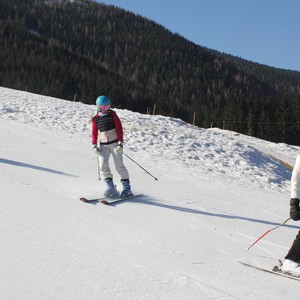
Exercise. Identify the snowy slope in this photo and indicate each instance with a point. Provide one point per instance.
(216, 193)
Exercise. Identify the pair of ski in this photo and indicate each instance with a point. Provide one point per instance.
(109, 201)
(276, 270)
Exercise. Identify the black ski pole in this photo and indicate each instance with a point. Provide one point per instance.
(139, 166)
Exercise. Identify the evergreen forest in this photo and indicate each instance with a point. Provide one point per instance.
(78, 50)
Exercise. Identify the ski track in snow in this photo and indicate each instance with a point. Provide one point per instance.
(217, 191)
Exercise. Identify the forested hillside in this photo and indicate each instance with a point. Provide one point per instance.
(77, 50)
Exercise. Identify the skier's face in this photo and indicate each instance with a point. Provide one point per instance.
(103, 108)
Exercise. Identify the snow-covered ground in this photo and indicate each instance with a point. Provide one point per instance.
(216, 193)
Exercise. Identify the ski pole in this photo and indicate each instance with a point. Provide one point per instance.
(264, 234)
(99, 177)
(140, 166)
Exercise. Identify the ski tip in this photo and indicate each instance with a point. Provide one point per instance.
(83, 199)
(104, 202)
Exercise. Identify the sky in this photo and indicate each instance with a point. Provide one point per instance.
(262, 31)
(217, 192)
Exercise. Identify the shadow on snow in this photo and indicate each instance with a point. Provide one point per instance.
(204, 213)
(24, 165)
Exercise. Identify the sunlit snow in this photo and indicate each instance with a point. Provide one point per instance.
(217, 192)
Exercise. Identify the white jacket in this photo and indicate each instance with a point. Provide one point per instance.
(295, 180)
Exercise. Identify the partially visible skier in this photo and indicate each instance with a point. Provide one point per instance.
(107, 140)
(291, 263)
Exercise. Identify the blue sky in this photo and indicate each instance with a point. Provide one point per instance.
(263, 31)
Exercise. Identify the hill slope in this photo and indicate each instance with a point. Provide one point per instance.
(216, 193)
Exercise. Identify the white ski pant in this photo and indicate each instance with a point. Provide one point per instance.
(105, 152)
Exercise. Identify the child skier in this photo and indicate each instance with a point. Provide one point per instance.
(107, 139)
(291, 263)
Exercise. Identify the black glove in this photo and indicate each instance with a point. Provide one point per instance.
(295, 209)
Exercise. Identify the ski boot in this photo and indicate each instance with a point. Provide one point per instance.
(126, 188)
(110, 191)
(291, 267)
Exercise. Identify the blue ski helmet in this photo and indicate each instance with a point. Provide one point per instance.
(103, 101)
